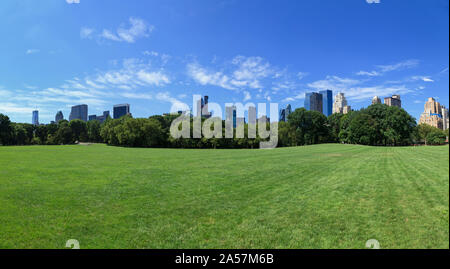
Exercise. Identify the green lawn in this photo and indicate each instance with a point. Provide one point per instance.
(322, 196)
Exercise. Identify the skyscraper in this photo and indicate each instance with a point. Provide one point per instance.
(103, 117)
(432, 114)
(35, 118)
(121, 110)
(327, 101)
(230, 112)
(79, 112)
(340, 104)
(445, 119)
(59, 116)
(313, 101)
(376, 100)
(284, 113)
(393, 101)
(202, 108)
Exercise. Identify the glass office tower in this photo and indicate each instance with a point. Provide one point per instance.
(79, 112)
(313, 101)
(121, 110)
(327, 101)
(35, 118)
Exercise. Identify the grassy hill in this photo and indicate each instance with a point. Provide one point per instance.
(322, 196)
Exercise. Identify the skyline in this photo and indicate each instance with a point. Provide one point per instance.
(153, 55)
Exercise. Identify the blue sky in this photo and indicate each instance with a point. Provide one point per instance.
(155, 54)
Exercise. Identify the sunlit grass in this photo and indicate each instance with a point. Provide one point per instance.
(323, 196)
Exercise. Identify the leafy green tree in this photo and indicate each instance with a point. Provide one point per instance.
(6, 130)
(64, 135)
(20, 135)
(41, 134)
(79, 130)
(307, 127)
(93, 131)
(423, 130)
(436, 137)
(363, 130)
(334, 126)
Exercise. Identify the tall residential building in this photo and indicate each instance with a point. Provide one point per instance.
(35, 118)
(252, 115)
(313, 101)
(376, 100)
(346, 109)
(327, 101)
(284, 113)
(432, 114)
(202, 108)
(59, 116)
(393, 101)
(121, 110)
(339, 103)
(230, 114)
(103, 117)
(445, 119)
(79, 112)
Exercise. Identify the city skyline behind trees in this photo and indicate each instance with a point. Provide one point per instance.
(376, 125)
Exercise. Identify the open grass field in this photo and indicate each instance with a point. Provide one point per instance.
(322, 196)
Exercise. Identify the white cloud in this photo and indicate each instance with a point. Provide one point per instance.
(298, 96)
(176, 104)
(32, 51)
(353, 90)
(373, 1)
(365, 93)
(153, 78)
(398, 66)
(86, 32)
(14, 108)
(370, 74)
(138, 96)
(206, 77)
(72, 1)
(423, 78)
(388, 68)
(138, 28)
(243, 72)
(302, 75)
(247, 96)
(334, 83)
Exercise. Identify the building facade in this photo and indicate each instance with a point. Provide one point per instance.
(121, 110)
(284, 113)
(339, 103)
(432, 114)
(313, 102)
(59, 116)
(327, 102)
(393, 101)
(35, 118)
(79, 112)
(376, 100)
(101, 118)
(202, 108)
(445, 119)
(230, 114)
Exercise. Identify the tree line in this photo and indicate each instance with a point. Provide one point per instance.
(376, 125)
